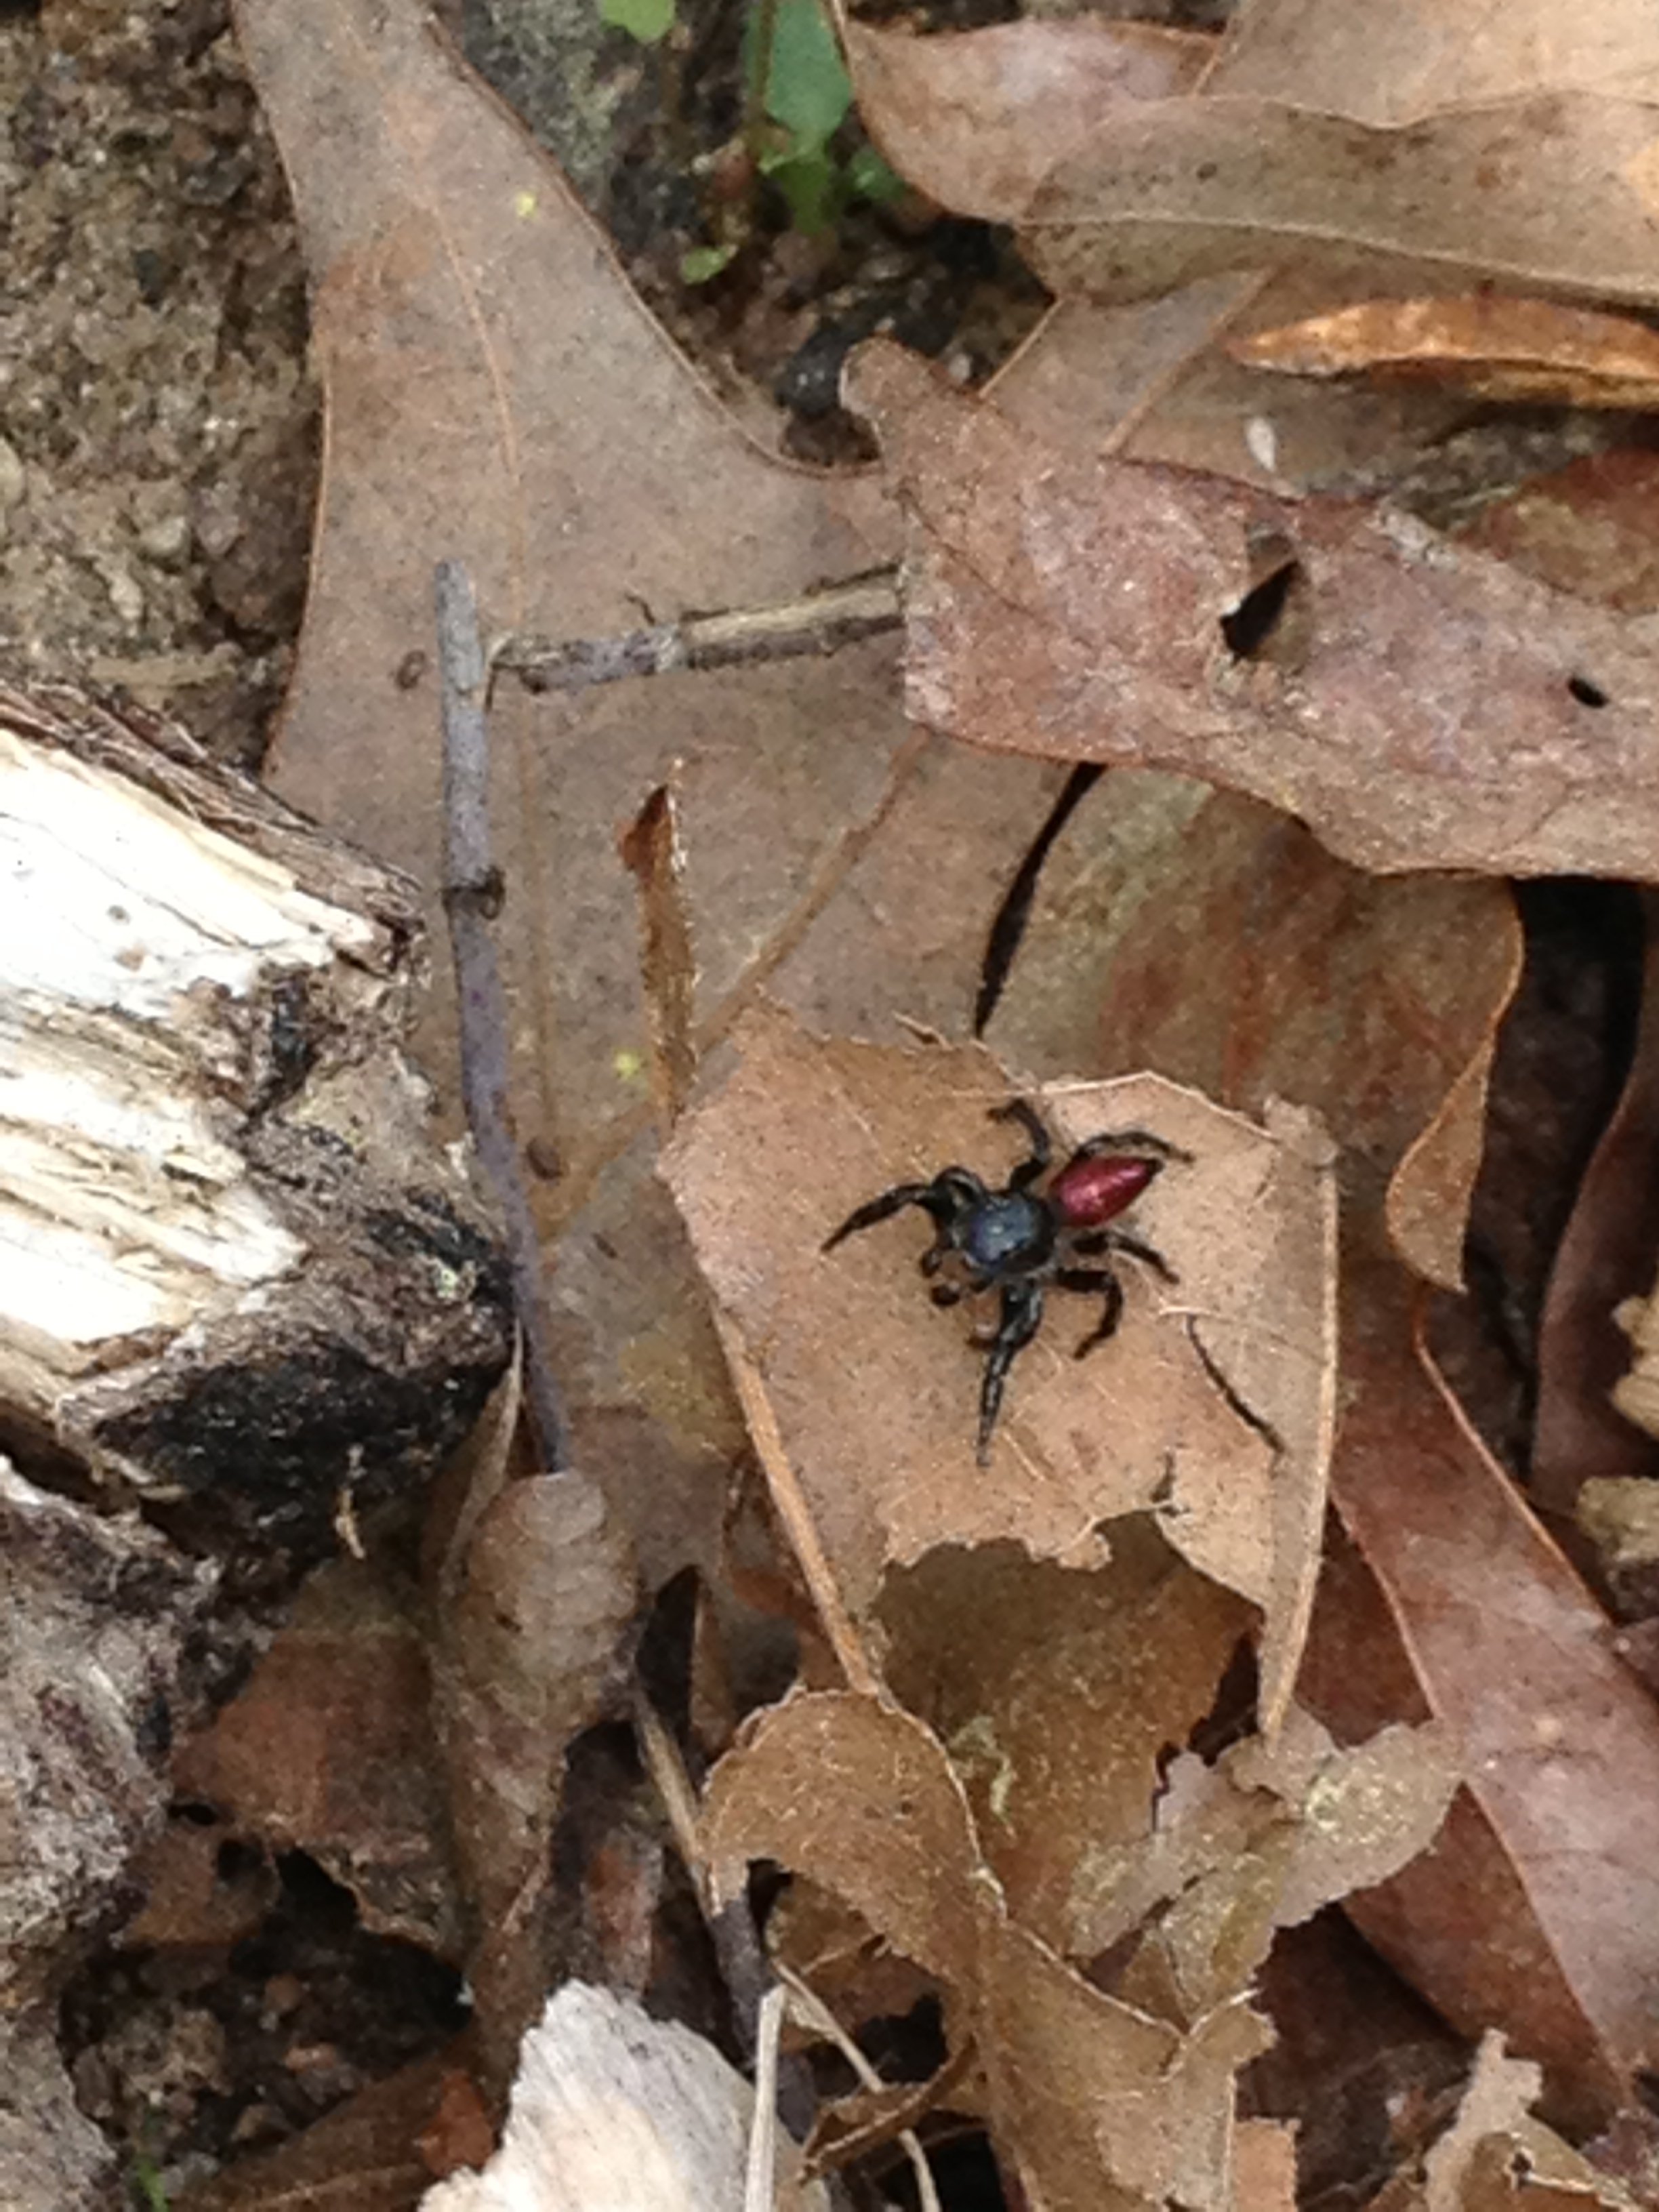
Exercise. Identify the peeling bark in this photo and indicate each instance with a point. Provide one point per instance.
(235, 1269)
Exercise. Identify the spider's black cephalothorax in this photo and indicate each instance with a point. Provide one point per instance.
(1030, 1234)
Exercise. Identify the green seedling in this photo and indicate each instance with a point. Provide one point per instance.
(798, 95)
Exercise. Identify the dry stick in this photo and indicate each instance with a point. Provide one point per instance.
(473, 893)
(744, 1964)
(760, 2186)
(812, 2014)
(819, 622)
(794, 1511)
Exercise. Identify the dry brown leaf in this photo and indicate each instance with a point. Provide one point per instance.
(1212, 1402)
(1497, 2154)
(1230, 182)
(1374, 1000)
(1418, 706)
(1527, 351)
(328, 1749)
(978, 120)
(1057, 1695)
(1418, 58)
(1560, 1745)
(1368, 999)
(495, 391)
(1081, 2091)
(197, 1894)
(1257, 1843)
(1251, 172)
(529, 1653)
(1620, 1514)
(1264, 2167)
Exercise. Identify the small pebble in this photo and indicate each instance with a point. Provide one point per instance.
(167, 541)
(13, 477)
(125, 597)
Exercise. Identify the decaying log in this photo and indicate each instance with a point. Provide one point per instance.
(96, 1614)
(236, 1270)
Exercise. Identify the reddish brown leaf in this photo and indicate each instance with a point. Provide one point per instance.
(1560, 1748)
(1420, 707)
(1597, 1410)
(1586, 528)
(328, 1750)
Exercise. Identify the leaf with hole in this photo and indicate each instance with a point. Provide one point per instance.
(1419, 705)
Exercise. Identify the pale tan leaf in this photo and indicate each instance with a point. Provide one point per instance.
(1211, 1402)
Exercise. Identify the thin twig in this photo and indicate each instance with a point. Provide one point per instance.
(760, 2182)
(819, 622)
(812, 2014)
(743, 1965)
(473, 894)
(794, 1511)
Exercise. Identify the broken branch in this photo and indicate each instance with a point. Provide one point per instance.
(817, 623)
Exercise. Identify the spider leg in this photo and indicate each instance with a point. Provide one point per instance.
(1043, 1147)
(947, 1294)
(951, 1192)
(880, 1209)
(1111, 1290)
(1119, 1240)
(1021, 1313)
(1130, 1140)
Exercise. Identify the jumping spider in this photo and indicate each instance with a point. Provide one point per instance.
(1018, 1240)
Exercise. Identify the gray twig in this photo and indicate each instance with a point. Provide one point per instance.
(473, 894)
(819, 622)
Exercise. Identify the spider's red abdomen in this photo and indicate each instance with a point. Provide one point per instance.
(1089, 1193)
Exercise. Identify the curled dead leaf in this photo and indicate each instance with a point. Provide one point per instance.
(529, 1651)
(1526, 350)
(1083, 2092)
